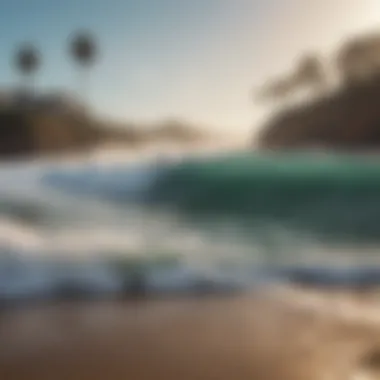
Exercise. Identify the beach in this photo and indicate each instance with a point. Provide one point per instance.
(260, 335)
(325, 216)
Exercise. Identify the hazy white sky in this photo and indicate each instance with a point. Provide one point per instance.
(193, 59)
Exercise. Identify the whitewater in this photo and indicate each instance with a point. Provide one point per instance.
(199, 220)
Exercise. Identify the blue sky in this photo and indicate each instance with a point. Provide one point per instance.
(193, 59)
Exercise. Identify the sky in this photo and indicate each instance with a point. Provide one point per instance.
(196, 60)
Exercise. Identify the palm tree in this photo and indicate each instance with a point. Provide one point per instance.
(83, 50)
(27, 61)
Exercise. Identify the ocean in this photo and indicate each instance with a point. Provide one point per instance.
(227, 220)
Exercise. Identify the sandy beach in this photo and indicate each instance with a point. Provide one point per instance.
(253, 336)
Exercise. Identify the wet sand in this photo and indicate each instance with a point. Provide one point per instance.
(237, 337)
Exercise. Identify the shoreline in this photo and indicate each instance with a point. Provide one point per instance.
(254, 336)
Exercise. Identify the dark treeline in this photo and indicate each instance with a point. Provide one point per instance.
(342, 117)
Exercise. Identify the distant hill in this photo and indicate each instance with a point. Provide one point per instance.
(136, 134)
(59, 124)
(346, 119)
(33, 132)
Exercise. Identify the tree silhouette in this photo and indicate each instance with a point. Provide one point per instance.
(83, 50)
(27, 61)
(310, 73)
(358, 59)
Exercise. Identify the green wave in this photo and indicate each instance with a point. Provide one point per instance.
(329, 195)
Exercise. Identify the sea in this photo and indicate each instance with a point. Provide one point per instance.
(210, 220)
